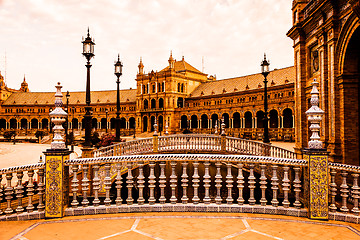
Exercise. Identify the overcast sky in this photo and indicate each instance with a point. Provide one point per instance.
(42, 38)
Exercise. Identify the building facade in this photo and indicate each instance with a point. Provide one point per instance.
(178, 96)
(326, 38)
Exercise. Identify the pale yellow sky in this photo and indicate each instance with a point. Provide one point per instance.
(42, 38)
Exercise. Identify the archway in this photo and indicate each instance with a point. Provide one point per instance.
(194, 121)
(349, 91)
(152, 122)
(287, 118)
(94, 123)
(13, 123)
(183, 124)
(145, 124)
(75, 123)
(160, 123)
(34, 123)
(214, 120)
(44, 123)
(132, 123)
(23, 123)
(226, 119)
(122, 123)
(260, 119)
(2, 124)
(248, 119)
(236, 120)
(204, 121)
(103, 123)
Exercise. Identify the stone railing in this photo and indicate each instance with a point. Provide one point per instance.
(181, 182)
(194, 143)
(22, 189)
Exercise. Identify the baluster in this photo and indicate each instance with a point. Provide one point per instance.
(173, 181)
(41, 189)
(263, 182)
(218, 181)
(184, 183)
(355, 193)
(274, 186)
(30, 191)
(196, 182)
(130, 184)
(85, 185)
(297, 186)
(19, 190)
(286, 187)
(240, 184)
(344, 192)
(252, 184)
(141, 182)
(152, 182)
(229, 181)
(74, 186)
(96, 185)
(162, 181)
(207, 181)
(1, 192)
(8, 193)
(333, 191)
(118, 183)
(107, 184)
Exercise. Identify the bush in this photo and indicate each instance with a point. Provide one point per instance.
(9, 134)
(39, 134)
(95, 140)
(107, 139)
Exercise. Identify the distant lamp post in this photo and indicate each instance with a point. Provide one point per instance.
(67, 119)
(118, 72)
(88, 52)
(106, 114)
(265, 72)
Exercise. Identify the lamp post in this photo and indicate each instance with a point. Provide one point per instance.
(106, 114)
(118, 72)
(67, 119)
(265, 72)
(88, 52)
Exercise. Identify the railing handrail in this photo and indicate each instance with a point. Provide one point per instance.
(188, 157)
(26, 167)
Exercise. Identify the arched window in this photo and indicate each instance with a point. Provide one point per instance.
(153, 103)
(112, 123)
(122, 122)
(215, 120)
(13, 123)
(204, 121)
(226, 119)
(161, 103)
(152, 122)
(180, 102)
(34, 123)
(103, 123)
(146, 104)
(160, 123)
(145, 124)
(2, 123)
(23, 123)
(132, 123)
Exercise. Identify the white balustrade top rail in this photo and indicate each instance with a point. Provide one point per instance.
(194, 143)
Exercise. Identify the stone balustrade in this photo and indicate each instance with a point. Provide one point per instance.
(194, 143)
(180, 182)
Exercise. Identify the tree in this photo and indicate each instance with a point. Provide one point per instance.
(9, 134)
(107, 139)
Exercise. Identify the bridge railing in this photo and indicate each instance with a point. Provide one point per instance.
(180, 182)
(194, 143)
(22, 189)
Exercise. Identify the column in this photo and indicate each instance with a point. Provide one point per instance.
(293, 119)
(141, 89)
(232, 123)
(200, 123)
(210, 123)
(189, 123)
(38, 124)
(7, 125)
(255, 122)
(281, 121)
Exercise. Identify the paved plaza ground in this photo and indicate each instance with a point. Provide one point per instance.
(171, 226)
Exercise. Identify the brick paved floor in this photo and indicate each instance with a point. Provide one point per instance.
(178, 226)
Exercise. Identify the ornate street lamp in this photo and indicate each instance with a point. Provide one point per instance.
(67, 119)
(265, 72)
(118, 72)
(88, 52)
